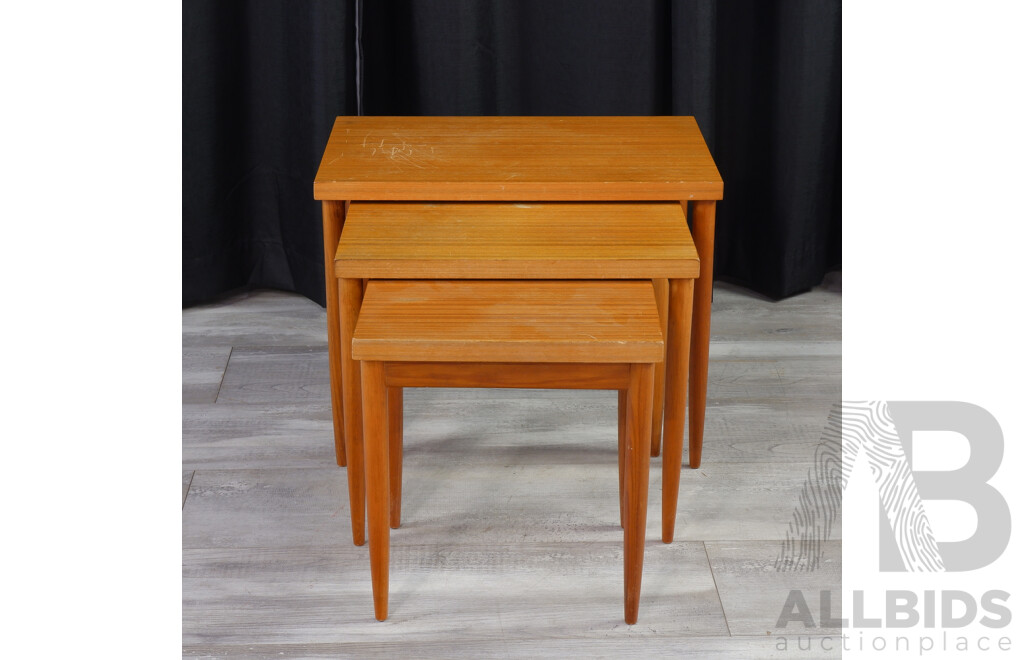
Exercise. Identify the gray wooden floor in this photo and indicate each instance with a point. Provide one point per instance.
(510, 544)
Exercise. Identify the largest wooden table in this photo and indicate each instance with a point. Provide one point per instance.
(583, 159)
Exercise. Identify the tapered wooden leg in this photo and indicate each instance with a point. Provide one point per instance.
(334, 219)
(375, 438)
(350, 293)
(704, 238)
(622, 458)
(395, 453)
(661, 297)
(640, 401)
(679, 317)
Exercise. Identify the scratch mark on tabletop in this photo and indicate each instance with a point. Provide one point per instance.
(400, 151)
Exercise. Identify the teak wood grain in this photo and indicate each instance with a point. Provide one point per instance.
(333, 220)
(704, 239)
(378, 491)
(505, 321)
(350, 296)
(661, 295)
(637, 458)
(677, 362)
(498, 240)
(576, 376)
(588, 159)
(517, 158)
(395, 451)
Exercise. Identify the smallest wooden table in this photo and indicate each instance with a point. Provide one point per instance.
(459, 333)
(522, 241)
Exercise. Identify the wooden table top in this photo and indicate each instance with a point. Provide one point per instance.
(501, 240)
(517, 158)
(503, 321)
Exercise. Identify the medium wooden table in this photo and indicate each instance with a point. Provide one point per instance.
(581, 159)
(526, 243)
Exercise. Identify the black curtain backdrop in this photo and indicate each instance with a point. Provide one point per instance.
(263, 81)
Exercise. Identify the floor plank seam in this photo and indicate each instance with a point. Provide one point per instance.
(188, 489)
(780, 540)
(711, 569)
(227, 363)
